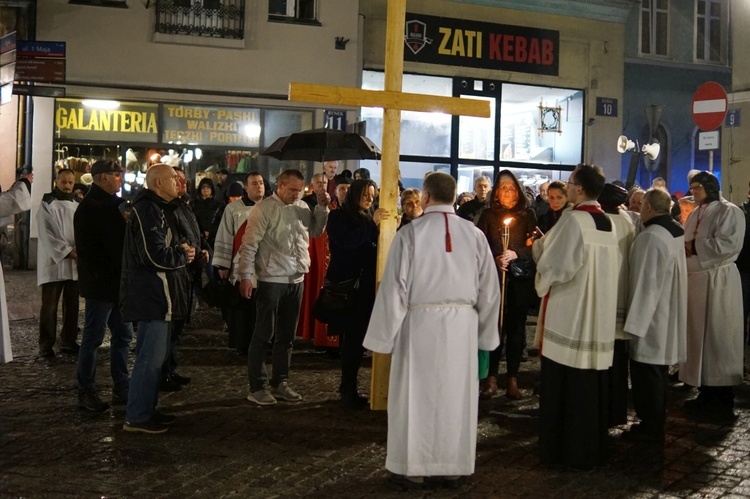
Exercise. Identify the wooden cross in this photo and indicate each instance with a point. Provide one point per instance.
(393, 101)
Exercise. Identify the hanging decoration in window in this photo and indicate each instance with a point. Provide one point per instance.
(549, 118)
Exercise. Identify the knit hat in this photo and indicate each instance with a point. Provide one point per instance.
(612, 196)
(710, 184)
(235, 189)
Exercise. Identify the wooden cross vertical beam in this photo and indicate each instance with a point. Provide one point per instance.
(394, 70)
(393, 101)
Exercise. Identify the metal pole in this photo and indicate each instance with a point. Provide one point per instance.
(711, 160)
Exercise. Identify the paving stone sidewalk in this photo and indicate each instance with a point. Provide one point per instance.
(222, 446)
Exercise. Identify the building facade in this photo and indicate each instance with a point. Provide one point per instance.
(672, 48)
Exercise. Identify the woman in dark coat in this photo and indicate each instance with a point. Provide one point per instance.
(508, 201)
(352, 239)
(205, 206)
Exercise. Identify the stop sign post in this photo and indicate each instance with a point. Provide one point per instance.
(709, 108)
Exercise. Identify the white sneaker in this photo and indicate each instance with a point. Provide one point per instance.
(284, 391)
(261, 397)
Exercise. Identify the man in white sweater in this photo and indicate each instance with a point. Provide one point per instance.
(273, 261)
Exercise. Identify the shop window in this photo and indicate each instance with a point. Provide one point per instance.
(709, 37)
(422, 134)
(476, 136)
(655, 27)
(541, 125)
(302, 11)
(209, 18)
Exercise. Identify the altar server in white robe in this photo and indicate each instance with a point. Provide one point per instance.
(657, 313)
(714, 234)
(56, 269)
(577, 273)
(15, 200)
(437, 305)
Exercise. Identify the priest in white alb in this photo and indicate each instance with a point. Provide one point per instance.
(15, 200)
(578, 262)
(437, 305)
(657, 313)
(714, 234)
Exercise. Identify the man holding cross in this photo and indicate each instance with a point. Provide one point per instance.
(433, 322)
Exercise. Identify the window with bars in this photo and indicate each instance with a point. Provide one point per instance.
(655, 27)
(303, 11)
(708, 30)
(210, 18)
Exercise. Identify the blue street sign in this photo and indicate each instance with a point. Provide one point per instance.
(32, 50)
(733, 118)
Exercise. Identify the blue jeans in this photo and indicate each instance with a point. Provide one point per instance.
(98, 315)
(277, 310)
(143, 396)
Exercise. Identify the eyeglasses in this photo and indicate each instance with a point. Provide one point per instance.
(507, 189)
(696, 188)
(115, 174)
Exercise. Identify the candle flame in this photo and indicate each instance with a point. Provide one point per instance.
(507, 221)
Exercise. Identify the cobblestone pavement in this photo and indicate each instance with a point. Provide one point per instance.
(222, 446)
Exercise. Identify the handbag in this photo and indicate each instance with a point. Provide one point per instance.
(521, 269)
(335, 298)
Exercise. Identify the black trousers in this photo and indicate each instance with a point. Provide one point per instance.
(351, 360)
(650, 383)
(241, 322)
(51, 292)
(573, 415)
(618, 384)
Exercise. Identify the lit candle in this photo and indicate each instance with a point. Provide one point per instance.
(506, 233)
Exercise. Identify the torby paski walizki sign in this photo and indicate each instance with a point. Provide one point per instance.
(459, 42)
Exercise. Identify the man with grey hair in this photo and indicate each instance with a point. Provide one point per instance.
(273, 261)
(428, 318)
(657, 312)
(471, 210)
(154, 290)
(319, 183)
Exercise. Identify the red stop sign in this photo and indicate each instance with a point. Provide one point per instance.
(709, 106)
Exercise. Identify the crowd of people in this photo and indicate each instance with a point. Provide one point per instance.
(626, 284)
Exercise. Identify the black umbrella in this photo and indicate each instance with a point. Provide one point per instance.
(323, 144)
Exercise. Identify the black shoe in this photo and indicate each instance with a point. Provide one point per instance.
(119, 396)
(168, 384)
(149, 426)
(91, 402)
(163, 419)
(46, 353)
(454, 483)
(354, 401)
(180, 380)
(524, 356)
(72, 348)
(403, 484)
(638, 434)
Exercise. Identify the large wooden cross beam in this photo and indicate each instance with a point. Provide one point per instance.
(393, 101)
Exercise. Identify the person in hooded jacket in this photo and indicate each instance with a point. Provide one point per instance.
(205, 206)
(508, 201)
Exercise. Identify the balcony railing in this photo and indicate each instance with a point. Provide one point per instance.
(211, 18)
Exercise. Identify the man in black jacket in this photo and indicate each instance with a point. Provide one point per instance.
(99, 229)
(188, 232)
(155, 288)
